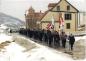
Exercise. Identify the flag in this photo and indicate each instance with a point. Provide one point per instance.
(52, 21)
(61, 21)
(51, 25)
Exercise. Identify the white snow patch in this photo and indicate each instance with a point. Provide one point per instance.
(4, 37)
(78, 38)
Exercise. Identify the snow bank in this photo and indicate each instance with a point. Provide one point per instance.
(4, 37)
(14, 52)
(78, 38)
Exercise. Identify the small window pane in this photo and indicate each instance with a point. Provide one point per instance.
(67, 25)
(58, 8)
(67, 16)
(68, 7)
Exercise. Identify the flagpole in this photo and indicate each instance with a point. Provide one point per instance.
(61, 23)
(53, 22)
(53, 26)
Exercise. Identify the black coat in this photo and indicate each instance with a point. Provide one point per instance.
(71, 39)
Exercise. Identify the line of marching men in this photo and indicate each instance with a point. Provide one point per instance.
(51, 38)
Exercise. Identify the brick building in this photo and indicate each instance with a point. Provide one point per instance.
(33, 19)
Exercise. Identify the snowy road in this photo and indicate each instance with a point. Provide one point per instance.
(16, 52)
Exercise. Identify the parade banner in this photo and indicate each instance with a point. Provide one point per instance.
(51, 25)
(61, 22)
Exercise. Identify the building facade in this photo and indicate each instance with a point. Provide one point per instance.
(69, 15)
(33, 19)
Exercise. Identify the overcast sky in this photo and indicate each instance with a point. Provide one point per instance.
(17, 8)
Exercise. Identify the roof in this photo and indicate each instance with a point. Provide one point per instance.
(54, 5)
(44, 14)
(38, 15)
(72, 6)
(67, 2)
(35, 15)
(78, 4)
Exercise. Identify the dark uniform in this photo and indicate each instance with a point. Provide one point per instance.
(50, 38)
(63, 39)
(45, 37)
(56, 39)
(40, 35)
(71, 41)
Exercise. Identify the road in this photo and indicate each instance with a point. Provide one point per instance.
(24, 49)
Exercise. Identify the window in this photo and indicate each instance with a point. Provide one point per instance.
(58, 8)
(67, 25)
(68, 7)
(68, 16)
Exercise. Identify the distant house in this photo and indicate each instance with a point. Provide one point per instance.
(69, 15)
(33, 19)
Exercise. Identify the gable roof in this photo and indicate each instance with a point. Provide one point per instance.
(50, 4)
(72, 6)
(53, 5)
(35, 15)
(79, 4)
(67, 2)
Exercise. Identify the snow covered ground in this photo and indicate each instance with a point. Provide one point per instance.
(15, 52)
(5, 37)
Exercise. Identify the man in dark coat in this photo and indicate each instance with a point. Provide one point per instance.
(56, 39)
(45, 37)
(50, 38)
(41, 35)
(63, 39)
(71, 41)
